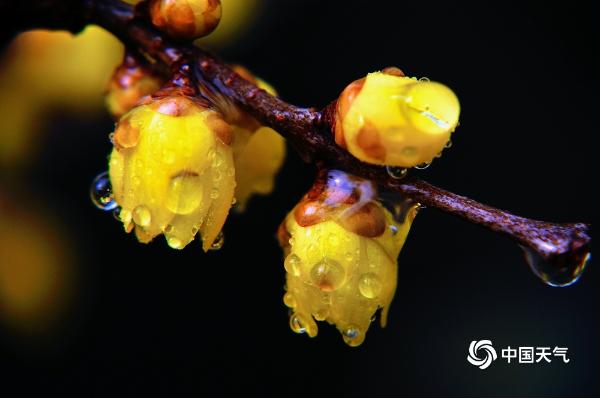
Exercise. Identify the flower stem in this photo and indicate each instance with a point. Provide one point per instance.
(307, 129)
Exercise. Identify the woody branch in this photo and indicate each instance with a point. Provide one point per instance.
(308, 130)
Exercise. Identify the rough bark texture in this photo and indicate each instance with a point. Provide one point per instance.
(310, 131)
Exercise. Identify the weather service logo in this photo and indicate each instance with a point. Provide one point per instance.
(481, 353)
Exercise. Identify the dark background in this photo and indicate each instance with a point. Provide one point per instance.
(149, 320)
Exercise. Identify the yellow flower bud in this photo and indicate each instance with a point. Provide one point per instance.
(129, 84)
(172, 171)
(258, 157)
(185, 19)
(257, 81)
(341, 247)
(389, 119)
(258, 151)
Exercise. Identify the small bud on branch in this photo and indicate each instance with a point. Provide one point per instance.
(310, 132)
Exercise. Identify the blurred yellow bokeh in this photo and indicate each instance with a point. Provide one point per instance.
(237, 17)
(36, 268)
(43, 70)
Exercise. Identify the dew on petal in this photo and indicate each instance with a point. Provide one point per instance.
(184, 193)
(328, 275)
(218, 242)
(142, 216)
(369, 285)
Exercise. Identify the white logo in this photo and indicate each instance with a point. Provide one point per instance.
(478, 347)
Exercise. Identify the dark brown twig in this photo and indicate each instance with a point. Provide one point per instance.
(310, 133)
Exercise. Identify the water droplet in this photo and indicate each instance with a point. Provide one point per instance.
(218, 242)
(423, 166)
(289, 300)
(214, 193)
(217, 159)
(448, 144)
(369, 285)
(184, 194)
(352, 336)
(393, 229)
(561, 271)
(327, 274)
(351, 332)
(321, 314)
(296, 324)
(117, 214)
(175, 243)
(396, 172)
(292, 264)
(349, 256)
(233, 201)
(111, 138)
(168, 228)
(424, 79)
(142, 216)
(101, 193)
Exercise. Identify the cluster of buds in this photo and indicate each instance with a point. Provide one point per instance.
(389, 119)
(181, 161)
(183, 155)
(341, 247)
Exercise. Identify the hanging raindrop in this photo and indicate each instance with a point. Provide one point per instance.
(117, 214)
(296, 324)
(560, 271)
(352, 336)
(423, 166)
(396, 172)
(101, 193)
(218, 242)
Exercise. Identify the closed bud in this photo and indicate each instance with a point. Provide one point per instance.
(185, 19)
(389, 119)
(341, 246)
(258, 151)
(129, 84)
(258, 156)
(172, 171)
